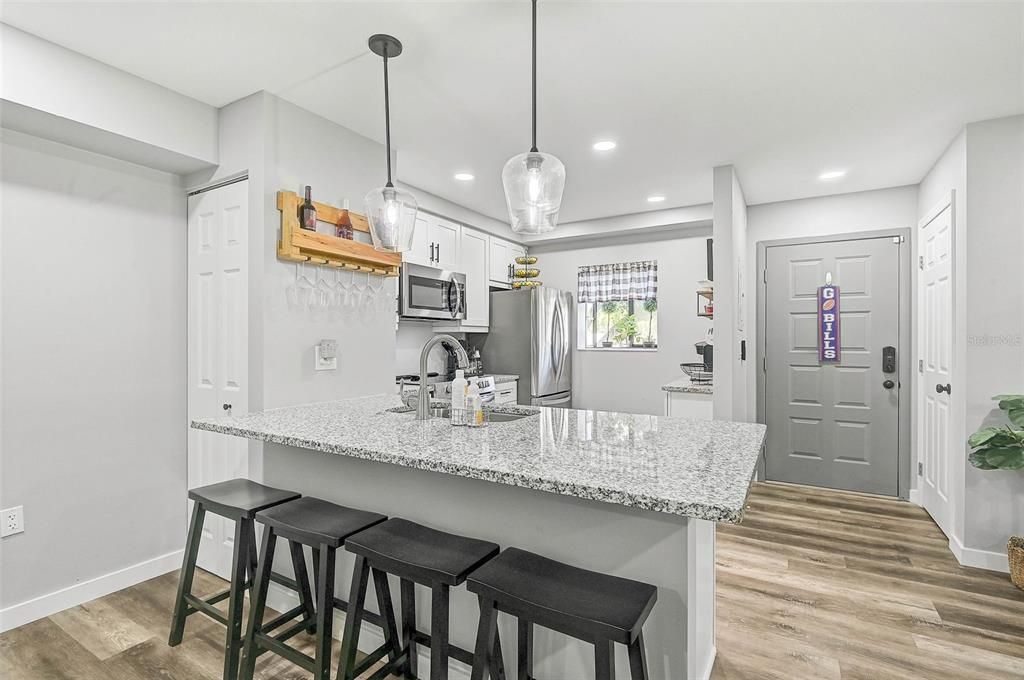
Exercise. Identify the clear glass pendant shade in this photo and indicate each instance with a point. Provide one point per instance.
(391, 213)
(533, 191)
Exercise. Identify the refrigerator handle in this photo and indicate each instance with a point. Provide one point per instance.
(557, 338)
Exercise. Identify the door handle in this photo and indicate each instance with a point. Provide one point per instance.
(226, 407)
(888, 384)
(947, 388)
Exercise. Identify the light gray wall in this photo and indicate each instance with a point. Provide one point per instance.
(303, 148)
(630, 381)
(93, 355)
(731, 285)
(994, 500)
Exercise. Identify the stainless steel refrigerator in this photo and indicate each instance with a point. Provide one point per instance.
(531, 335)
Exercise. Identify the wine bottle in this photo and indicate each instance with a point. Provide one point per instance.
(307, 213)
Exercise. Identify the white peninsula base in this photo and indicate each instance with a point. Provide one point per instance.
(672, 552)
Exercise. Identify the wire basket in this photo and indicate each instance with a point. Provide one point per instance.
(466, 417)
(696, 373)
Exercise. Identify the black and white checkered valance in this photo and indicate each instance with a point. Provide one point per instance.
(618, 282)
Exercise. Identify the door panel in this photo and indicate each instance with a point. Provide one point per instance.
(421, 252)
(551, 342)
(218, 348)
(832, 425)
(936, 329)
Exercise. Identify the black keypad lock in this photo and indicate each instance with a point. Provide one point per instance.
(888, 359)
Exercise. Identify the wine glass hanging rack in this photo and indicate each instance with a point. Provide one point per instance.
(300, 245)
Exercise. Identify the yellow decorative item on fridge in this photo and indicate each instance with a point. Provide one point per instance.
(525, 276)
(526, 259)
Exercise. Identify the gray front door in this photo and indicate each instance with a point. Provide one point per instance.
(833, 425)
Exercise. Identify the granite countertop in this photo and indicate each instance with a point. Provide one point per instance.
(693, 468)
(684, 384)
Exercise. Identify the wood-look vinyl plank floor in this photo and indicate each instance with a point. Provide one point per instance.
(817, 583)
(814, 585)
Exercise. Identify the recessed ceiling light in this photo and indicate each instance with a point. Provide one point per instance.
(832, 174)
(464, 176)
(604, 145)
(657, 198)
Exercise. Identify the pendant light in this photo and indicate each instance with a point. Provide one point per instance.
(391, 212)
(533, 181)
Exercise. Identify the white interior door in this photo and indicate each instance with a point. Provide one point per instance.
(935, 321)
(218, 228)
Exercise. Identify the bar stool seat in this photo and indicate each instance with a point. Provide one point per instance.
(324, 527)
(587, 605)
(312, 521)
(419, 553)
(563, 597)
(239, 498)
(416, 555)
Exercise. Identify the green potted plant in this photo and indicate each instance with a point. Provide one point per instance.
(1002, 448)
(626, 329)
(609, 308)
(650, 306)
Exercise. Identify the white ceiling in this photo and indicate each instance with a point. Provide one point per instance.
(782, 91)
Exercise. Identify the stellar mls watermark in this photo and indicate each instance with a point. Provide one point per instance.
(990, 340)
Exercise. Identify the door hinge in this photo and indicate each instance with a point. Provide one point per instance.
(920, 468)
(920, 365)
(764, 364)
(920, 262)
(764, 275)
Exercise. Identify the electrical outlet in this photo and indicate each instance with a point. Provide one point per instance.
(12, 521)
(325, 355)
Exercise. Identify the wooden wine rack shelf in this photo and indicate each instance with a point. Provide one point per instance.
(299, 245)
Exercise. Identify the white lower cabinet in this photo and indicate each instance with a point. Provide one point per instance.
(505, 393)
(696, 406)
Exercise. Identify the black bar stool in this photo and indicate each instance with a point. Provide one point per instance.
(586, 605)
(238, 500)
(324, 527)
(415, 554)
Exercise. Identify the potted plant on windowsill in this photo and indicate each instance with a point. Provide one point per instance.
(626, 329)
(650, 306)
(609, 309)
(1002, 448)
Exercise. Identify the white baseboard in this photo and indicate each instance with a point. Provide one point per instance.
(982, 559)
(915, 496)
(80, 593)
(709, 666)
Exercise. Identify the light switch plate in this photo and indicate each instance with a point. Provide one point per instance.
(322, 364)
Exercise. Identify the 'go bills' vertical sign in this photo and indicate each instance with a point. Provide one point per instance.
(828, 324)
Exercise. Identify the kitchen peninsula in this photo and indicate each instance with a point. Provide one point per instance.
(631, 495)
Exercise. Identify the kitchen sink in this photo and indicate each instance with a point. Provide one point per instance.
(446, 412)
(501, 417)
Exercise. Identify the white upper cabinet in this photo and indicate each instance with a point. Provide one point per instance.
(435, 242)
(474, 265)
(422, 250)
(473, 247)
(500, 273)
(502, 261)
(445, 237)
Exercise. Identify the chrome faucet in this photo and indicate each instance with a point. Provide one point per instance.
(423, 406)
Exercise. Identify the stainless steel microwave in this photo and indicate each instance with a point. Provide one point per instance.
(431, 293)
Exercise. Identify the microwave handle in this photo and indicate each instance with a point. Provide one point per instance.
(454, 309)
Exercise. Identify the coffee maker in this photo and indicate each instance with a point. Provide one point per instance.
(706, 350)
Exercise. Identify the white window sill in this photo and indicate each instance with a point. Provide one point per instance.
(617, 349)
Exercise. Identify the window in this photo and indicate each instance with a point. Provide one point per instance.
(618, 306)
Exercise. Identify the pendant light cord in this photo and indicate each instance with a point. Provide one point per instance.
(534, 147)
(387, 117)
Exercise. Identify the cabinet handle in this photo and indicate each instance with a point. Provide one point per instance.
(431, 252)
(438, 253)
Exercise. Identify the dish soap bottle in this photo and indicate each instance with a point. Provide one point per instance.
(474, 406)
(460, 386)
